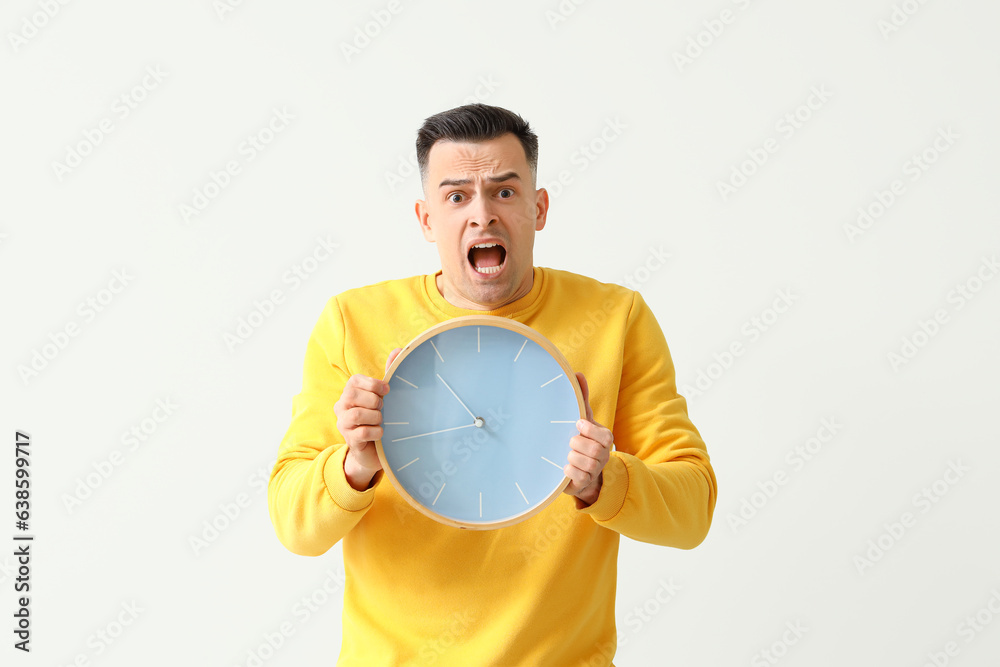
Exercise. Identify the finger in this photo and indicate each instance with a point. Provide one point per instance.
(392, 356)
(578, 480)
(587, 447)
(586, 395)
(358, 398)
(590, 467)
(356, 417)
(365, 455)
(365, 383)
(596, 432)
(360, 436)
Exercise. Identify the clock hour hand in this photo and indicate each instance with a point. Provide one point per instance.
(476, 421)
(444, 430)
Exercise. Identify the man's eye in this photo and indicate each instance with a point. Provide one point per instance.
(455, 197)
(509, 191)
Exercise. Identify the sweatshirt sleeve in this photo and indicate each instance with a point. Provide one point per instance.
(312, 506)
(659, 486)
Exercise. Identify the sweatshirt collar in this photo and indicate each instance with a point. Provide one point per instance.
(513, 310)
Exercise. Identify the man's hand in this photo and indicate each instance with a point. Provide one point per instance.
(359, 419)
(589, 454)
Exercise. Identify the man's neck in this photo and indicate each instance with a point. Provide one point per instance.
(461, 302)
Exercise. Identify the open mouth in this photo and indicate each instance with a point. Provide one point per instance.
(487, 258)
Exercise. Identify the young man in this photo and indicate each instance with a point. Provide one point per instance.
(541, 592)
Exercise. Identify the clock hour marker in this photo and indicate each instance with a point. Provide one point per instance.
(436, 351)
(563, 422)
(408, 382)
(414, 461)
(478, 338)
(438, 495)
(521, 350)
(552, 380)
(480, 504)
(522, 493)
(543, 458)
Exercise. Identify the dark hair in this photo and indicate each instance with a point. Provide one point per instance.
(475, 122)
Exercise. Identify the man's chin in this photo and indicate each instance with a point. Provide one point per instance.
(490, 296)
(476, 291)
(486, 294)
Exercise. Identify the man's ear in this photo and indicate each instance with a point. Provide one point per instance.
(541, 208)
(423, 217)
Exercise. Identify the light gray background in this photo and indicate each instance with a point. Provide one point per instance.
(652, 189)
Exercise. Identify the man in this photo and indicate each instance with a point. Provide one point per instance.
(541, 592)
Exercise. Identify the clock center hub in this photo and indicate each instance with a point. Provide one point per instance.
(479, 422)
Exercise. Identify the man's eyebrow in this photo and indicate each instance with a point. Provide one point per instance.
(510, 175)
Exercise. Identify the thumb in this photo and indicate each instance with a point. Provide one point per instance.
(392, 355)
(586, 396)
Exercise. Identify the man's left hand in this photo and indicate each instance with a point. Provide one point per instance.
(589, 453)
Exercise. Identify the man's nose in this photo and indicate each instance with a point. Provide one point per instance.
(481, 213)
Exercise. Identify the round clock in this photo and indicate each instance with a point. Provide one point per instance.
(477, 422)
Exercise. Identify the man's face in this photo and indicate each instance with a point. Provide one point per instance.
(481, 193)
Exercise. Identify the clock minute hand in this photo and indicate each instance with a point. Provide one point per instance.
(474, 417)
(445, 430)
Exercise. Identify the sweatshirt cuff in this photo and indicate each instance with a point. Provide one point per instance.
(613, 489)
(345, 495)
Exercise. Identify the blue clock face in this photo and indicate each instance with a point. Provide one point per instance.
(477, 423)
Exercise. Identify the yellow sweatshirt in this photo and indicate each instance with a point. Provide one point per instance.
(538, 593)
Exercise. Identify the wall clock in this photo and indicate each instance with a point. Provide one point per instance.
(477, 422)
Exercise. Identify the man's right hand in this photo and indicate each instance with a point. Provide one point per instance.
(359, 419)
